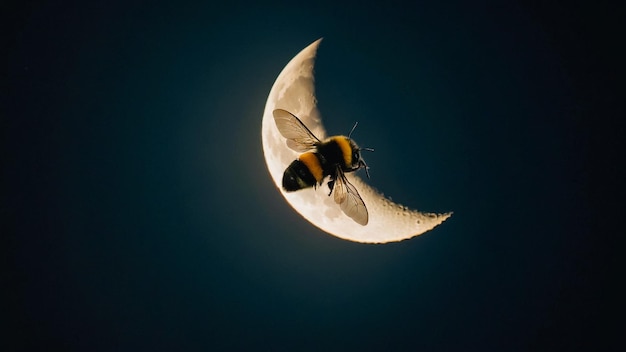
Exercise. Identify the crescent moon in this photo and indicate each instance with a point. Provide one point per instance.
(294, 91)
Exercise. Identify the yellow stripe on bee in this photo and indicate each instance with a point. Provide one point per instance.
(313, 164)
(346, 149)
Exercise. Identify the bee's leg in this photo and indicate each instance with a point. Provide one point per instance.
(331, 185)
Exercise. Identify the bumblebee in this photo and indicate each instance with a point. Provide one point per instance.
(332, 157)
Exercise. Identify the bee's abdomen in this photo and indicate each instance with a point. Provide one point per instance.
(297, 176)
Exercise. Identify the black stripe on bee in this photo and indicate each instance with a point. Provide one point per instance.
(298, 176)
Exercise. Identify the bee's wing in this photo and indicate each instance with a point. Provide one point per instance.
(299, 137)
(349, 199)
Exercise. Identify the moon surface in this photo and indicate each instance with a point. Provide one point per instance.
(294, 91)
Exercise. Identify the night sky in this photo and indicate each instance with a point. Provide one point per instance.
(137, 213)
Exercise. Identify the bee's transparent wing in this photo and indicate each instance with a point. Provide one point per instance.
(299, 137)
(349, 199)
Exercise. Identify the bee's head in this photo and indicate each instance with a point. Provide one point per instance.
(357, 160)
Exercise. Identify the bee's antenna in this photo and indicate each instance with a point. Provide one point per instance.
(368, 149)
(352, 130)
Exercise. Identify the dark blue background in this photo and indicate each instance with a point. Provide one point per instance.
(138, 214)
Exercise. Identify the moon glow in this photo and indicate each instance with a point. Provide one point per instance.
(294, 91)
